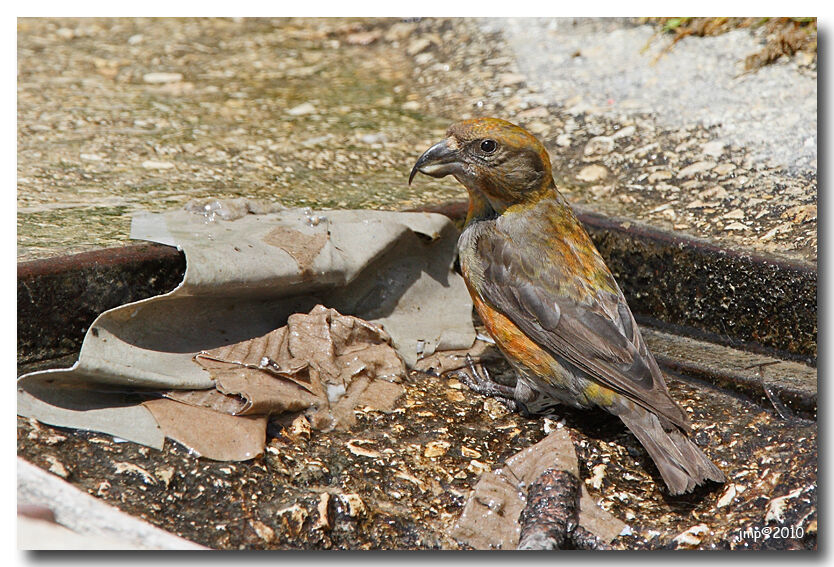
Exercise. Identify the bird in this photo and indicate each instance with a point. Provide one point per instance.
(547, 298)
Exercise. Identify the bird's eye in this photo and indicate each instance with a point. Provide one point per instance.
(488, 146)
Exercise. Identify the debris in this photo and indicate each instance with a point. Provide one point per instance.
(322, 359)
(598, 474)
(445, 361)
(264, 532)
(230, 209)
(592, 173)
(801, 213)
(477, 467)
(52, 438)
(734, 214)
(692, 537)
(210, 433)
(355, 448)
(724, 168)
(455, 396)
(713, 149)
(323, 509)
(695, 168)
(599, 145)
(510, 79)
(334, 362)
(353, 505)
(728, 497)
(599, 191)
(495, 409)
(363, 38)
(300, 428)
(660, 176)
(660, 208)
(375, 138)
(777, 506)
(161, 78)
(669, 214)
(470, 453)
(411, 478)
(625, 132)
(165, 474)
(437, 449)
(152, 164)
(736, 226)
(130, 468)
(57, 467)
(418, 45)
(302, 109)
(769, 234)
(293, 518)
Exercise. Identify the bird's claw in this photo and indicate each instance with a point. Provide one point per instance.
(481, 383)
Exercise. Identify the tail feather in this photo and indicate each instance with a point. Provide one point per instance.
(681, 463)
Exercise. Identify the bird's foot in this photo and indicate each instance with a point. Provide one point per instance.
(481, 383)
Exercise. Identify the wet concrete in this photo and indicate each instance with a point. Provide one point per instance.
(732, 295)
(58, 299)
(790, 387)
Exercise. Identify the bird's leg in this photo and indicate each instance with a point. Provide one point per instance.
(484, 385)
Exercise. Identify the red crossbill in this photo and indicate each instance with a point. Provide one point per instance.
(546, 296)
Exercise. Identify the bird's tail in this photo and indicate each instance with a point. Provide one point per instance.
(681, 463)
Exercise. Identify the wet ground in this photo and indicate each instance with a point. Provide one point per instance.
(127, 114)
(400, 480)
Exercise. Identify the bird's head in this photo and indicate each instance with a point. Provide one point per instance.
(499, 163)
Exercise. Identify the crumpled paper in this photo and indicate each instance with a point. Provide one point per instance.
(322, 361)
(490, 516)
(244, 278)
(446, 361)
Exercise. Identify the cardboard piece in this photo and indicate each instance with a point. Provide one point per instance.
(244, 279)
(490, 516)
(210, 433)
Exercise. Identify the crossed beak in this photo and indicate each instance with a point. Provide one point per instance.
(439, 160)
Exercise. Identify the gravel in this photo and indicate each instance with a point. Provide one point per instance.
(623, 69)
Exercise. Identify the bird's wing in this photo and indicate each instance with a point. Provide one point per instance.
(583, 321)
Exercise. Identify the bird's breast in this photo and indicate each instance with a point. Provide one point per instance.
(516, 346)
